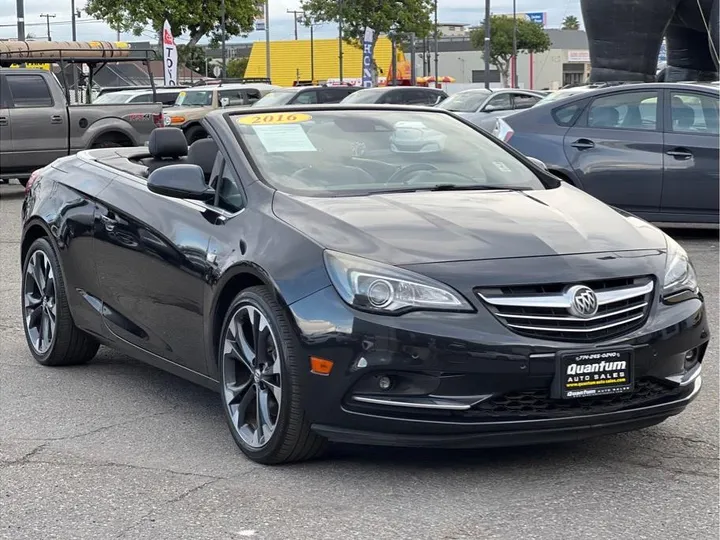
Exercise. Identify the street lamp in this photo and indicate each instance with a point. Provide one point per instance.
(487, 44)
(514, 54)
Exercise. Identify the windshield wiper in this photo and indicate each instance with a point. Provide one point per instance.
(453, 187)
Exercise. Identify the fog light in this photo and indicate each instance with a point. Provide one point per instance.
(691, 358)
(384, 382)
(690, 355)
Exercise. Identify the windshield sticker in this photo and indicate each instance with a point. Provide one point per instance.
(287, 138)
(500, 166)
(273, 119)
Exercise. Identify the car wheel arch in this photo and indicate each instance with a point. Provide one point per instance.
(112, 136)
(234, 281)
(34, 229)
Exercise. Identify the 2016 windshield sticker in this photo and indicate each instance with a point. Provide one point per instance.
(274, 119)
(284, 138)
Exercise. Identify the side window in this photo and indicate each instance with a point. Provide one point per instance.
(228, 195)
(693, 113)
(167, 99)
(627, 110)
(306, 98)
(565, 116)
(434, 98)
(29, 91)
(523, 101)
(331, 96)
(235, 97)
(499, 103)
(396, 97)
(3, 94)
(251, 96)
(142, 98)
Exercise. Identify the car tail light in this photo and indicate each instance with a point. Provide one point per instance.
(159, 119)
(503, 131)
(34, 176)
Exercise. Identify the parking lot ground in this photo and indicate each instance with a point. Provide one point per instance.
(117, 449)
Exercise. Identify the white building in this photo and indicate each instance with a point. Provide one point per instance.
(567, 61)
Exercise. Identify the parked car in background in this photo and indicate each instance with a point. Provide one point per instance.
(398, 95)
(651, 149)
(166, 96)
(194, 103)
(306, 95)
(481, 106)
(37, 125)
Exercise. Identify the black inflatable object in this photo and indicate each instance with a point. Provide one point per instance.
(625, 37)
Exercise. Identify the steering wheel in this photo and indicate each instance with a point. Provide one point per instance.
(406, 171)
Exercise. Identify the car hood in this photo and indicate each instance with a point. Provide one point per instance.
(423, 227)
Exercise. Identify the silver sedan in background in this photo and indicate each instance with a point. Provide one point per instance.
(482, 107)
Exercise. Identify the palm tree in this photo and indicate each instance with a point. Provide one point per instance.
(571, 23)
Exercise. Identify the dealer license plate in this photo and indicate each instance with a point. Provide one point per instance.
(595, 373)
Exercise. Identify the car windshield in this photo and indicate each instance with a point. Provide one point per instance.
(275, 98)
(194, 98)
(354, 152)
(114, 97)
(364, 96)
(560, 94)
(465, 101)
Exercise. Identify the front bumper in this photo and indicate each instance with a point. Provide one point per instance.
(458, 386)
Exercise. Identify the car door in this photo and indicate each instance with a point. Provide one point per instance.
(38, 125)
(615, 149)
(6, 145)
(151, 259)
(691, 178)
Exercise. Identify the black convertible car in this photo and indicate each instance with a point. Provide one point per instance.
(369, 274)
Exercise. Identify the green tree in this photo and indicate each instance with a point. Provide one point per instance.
(571, 23)
(236, 67)
(197, 18)
(401, 17)
(192, 56)
(531, 38)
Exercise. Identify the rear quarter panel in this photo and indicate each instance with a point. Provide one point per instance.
(89, 122)
(538, 135)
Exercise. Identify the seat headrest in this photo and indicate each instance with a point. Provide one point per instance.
(167, 142)
(203, 153)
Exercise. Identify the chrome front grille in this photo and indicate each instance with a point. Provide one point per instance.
(544, 311)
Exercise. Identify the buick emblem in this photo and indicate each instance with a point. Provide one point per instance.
(583, 301)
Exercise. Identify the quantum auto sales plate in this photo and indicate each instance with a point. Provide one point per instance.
(596, 373)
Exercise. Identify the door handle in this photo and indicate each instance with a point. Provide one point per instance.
(108, 222)
(3, 121)
(583, 144)
(56, 119)
(680, 154)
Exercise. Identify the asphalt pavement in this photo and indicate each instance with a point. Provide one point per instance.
(117, 449)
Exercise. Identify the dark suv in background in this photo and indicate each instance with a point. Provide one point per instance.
(306, 95)
(650, 149)
(398, 95)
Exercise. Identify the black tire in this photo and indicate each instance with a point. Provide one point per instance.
(69, 345)
(292, 440)
(106, 144)
(195, 133)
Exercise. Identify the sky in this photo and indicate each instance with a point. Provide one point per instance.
(281, 22)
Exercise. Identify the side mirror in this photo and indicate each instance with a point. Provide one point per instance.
(490, 108)
(182, 181)
(224, 102)
(538, 163)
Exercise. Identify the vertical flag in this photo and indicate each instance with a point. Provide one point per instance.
(368, 71)
(170, 56)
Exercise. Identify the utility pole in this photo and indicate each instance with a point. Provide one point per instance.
(514, 55)
(340, 38)
(73, 23)
(295, 14)
(435, 37)
(312, 49)
(487, 44)
(413, 78)
(20, 14)
(48, 16)
(223, 52)
(267, 39)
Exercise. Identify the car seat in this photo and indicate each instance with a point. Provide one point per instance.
(203, 153)
(167, 146)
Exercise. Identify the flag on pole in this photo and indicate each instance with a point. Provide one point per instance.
(170, 56)
(368, 70)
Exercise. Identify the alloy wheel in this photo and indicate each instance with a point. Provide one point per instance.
(40, 302)
(252, 378)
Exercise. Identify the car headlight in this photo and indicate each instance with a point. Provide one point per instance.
(381, 288)
(679, 273)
